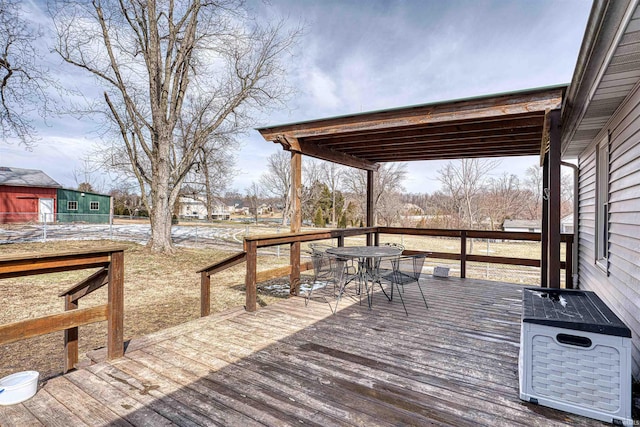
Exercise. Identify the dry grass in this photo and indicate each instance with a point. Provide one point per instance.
(160, 291)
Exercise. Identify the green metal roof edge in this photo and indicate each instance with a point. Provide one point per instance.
(86, 192)
(563, 86)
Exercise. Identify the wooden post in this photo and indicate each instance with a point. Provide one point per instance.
(115, 318)
(370, 214)
(296, 222)
(544, 243)
(70, 338)
(341, 240)
(463, 254)
(294, 277)
(376, 238)
(568, 277)
(250, 278)
(554, 200)
(205, 294)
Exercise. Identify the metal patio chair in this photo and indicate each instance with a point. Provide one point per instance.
(329, 279)
(406, 269)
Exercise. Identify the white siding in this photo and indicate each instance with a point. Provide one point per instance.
(620, 288)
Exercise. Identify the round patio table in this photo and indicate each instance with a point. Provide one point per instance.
(367, 271)
(365, 251)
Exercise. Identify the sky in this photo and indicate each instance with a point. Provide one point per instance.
(364, 55)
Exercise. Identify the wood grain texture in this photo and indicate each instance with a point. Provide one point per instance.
(115, 321)
(12, 332)
(291, 364)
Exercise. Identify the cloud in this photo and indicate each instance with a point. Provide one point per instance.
(321, 89)
(377, 54)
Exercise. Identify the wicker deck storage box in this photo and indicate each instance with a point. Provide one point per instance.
(575, 355)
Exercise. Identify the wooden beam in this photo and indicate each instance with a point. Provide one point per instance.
(529, 145)
(296, 189)
(274, 273)
(224, 263)
(17, 331)
(323, 153)
(494, 125)
(468, 155)
(250, 277)
(88, 285)
(16, 267)
(554, 199)
(463, 254)
(487, 135)
(500, 105)
(295, 145)
(296, 222)
(443, 141)
(115, 321)
(267, 240)
(544, 255)
(205, 294)
(371, 206)
(544, 141)
(70, 338)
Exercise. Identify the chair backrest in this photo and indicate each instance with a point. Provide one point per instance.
(319, 247)
(410, 265)
(321, 264)
(395, 245)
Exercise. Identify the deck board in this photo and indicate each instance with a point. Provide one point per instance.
(455, 363)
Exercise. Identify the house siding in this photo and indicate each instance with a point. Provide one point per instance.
(21, 204)
(83, 213)
(619, 287)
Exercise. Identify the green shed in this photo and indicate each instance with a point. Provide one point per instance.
(82, 206)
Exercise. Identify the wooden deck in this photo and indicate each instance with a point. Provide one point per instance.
(287, 364)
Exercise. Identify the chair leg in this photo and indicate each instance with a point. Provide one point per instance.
(402, 300)
(422, 293)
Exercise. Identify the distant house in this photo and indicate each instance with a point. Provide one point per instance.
(188, 207)
(522, 225)
(26, 195)
(264, 209)
(409, 209)
(82, 206)
(566, 224)
(532, 226)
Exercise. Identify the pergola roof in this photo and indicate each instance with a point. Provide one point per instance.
(500, 125)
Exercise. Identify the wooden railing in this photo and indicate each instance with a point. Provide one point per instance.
(253, 243)
(111, 273)
(464, 235)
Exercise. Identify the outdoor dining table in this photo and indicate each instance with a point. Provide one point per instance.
(368, 258)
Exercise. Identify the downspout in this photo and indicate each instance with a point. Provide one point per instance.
(576, 203)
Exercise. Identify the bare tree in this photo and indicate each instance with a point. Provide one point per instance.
(504, 199)
(204, 63)
(23, 81)
(311, 176)
(533, 185)
(388, 182)
(276, 182)
(214, 169)
(253, 199)
(464, 181)
(332, 174)
(88, 178)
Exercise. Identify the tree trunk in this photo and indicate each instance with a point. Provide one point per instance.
(162, 208)
(161, 225)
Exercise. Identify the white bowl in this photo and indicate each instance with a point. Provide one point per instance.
(18, 387)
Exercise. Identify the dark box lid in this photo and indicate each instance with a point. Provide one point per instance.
(571, 309)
